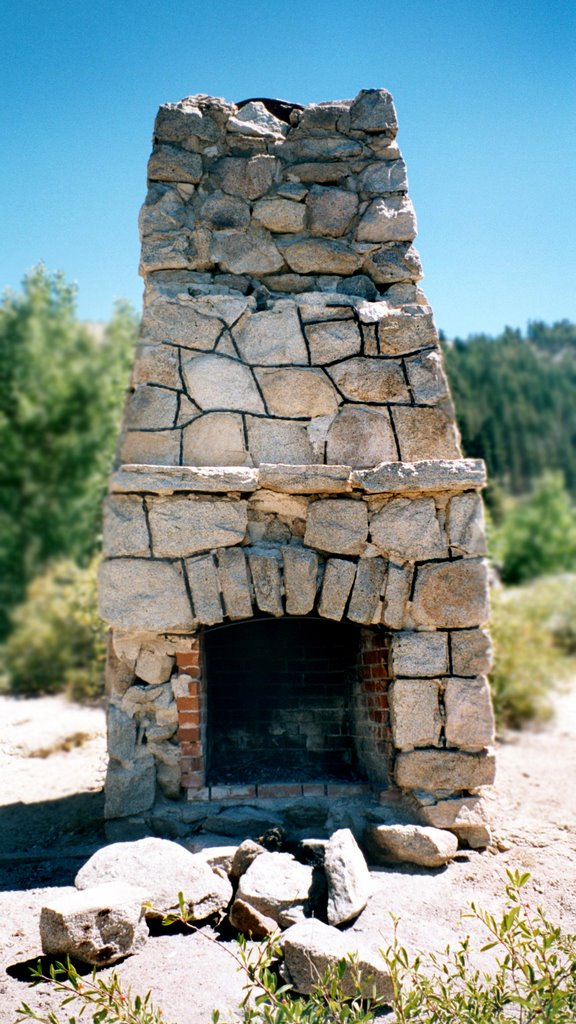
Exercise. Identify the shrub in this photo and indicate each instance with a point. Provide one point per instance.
(537, 536)
(58, 639)
(529, 658)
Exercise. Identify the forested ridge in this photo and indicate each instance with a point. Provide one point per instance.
(515, 399)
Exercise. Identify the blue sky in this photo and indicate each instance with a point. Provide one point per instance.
(485, 92)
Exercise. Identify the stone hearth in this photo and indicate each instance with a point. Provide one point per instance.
(293, 544)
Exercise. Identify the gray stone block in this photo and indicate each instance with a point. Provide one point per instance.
(420, 654)
(415, 713)
(183, 526)
(339, 525)
(451, 594)
(234, 583)
(98, 926)
(366, 600)
(265, 569)
(205, 589)
(469, 714)
(300, 579)
(444, 771)
(407, 529)
(338, 579)
(138, 593)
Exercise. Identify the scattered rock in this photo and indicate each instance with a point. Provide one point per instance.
(99, 926)
(311, 948)
(412, 844)
(249, 921)
(348, 877)
(278, 887)
(162, 869)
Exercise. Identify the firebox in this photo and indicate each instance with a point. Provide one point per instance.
(293, 567)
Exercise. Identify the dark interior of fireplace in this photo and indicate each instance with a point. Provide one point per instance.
(280, 701)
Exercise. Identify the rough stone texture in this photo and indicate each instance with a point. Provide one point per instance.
(170, 479)
(427, 378)
(408, 529)
(451, 594)
(280, 215)
(297, 393)
(359, 437)
(288, 388)
(366, 600)
(330, 210)
(265, 569)
(130, 788)
(426, 475)
(348, 878)
(465, 525)
(154, 666)
(338, 579)
(278, 887)
(150, 408)
(425, 433)
(243, 857)
(370, 380)
(415, 713)
(444, 771)
(125, 531)
(216, 382)
(234, 583)
(419, 654)
(413, 844)
(300, 579)
(272, 337)
(205, 589)
(216, 439)
(182, 526)
(466, 818)
(333, 340)
(154, 447)
(162, 869)
(140, 594)
(312, 947)
(471, 652)
(281, 441)
(469, 715)
(251, 922)
(98, 926)
(337, 525)
(305, 479)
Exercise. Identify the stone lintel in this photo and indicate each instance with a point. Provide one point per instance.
(425, 475)
(386, 478)
(136, 478)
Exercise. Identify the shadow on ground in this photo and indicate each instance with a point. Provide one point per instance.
(45, 843)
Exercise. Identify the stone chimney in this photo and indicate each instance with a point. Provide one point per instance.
(293, 544)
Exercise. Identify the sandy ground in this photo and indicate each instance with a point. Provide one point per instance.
(52, 761)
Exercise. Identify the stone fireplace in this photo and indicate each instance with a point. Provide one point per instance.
(293, 544)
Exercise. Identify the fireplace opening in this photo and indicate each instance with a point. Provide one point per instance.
(280, 701)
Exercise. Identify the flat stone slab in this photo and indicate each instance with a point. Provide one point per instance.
(98, 925)
(137, 479)
(162, 869)
(423, 475)
(316, 479)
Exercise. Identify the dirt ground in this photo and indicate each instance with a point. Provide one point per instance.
(52, 762)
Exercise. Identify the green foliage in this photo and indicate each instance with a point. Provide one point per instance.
(61, 392)
(268, 1001)
(104, 999)
(530, 657)
(515, 400)
(58, 639)
(532, 980)
(537, 536)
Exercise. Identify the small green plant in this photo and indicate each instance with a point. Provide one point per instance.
(103, 998)
(532, 981)
(530, 978)
(58, 639)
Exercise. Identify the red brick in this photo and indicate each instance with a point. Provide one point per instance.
(347, 789)
(232, 792)
(188, 659)
(313, 789)
(279, 790)
(188, 703)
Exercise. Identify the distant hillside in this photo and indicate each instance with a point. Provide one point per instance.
(515, 398)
